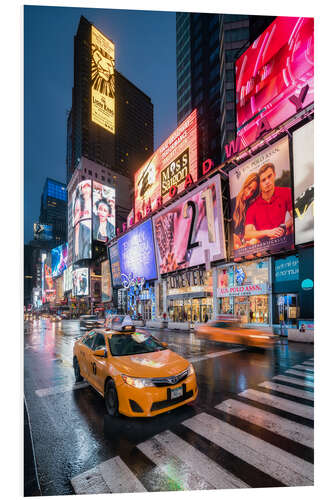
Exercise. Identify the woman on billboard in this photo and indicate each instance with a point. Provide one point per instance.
(103, 229)
(82, 232)
(248, 193)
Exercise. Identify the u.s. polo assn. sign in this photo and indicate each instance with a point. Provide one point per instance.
(257, 289)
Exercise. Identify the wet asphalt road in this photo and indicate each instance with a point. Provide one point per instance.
(72, 433)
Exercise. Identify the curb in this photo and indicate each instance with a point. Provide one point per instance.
(31, 482)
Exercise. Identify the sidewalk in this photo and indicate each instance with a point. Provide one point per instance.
(31, 483)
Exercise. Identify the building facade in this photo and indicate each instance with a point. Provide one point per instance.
(131, 140)
(53, 209)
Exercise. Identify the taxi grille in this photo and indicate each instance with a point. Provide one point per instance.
(159, 405)
(172, 380)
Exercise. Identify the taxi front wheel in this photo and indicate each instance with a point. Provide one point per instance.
(111, 399)
(78, 376)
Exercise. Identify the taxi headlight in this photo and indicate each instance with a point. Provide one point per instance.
(139, 383)
(191, 370)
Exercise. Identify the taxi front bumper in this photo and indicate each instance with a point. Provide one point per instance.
(151, 401)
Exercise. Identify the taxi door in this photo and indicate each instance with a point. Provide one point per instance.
(99, 365)
(85, 356)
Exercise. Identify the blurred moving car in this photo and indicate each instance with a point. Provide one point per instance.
(233, 332)
(136, 374)
(55, 318)
(89, 321)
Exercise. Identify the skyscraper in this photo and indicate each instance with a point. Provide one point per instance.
(53, 209)
(111, 120)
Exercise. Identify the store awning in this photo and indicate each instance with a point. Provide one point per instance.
(193, 295)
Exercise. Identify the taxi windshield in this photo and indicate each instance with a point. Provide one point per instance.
(137, 343)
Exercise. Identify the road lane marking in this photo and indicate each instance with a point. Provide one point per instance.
(278, 402)
(59, 389)
(194, 359)
(279, 464)
(293, 380)
(273, 423)
(216, 475)
(288, 390)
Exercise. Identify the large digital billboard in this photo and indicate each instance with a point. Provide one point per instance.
(190, 231)
(81, 221)
(49, 291)
(169, 166)
(115, 264)
(68, 279)
(278, 65)
(104, 212)
(261, 202)
(43, 231)
(106, 281)
(102, 81)
(59, 259)
(137, 253)
(304, 183)
(81, 281)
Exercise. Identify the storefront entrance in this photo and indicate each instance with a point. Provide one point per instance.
(192, 309)
(287, 308)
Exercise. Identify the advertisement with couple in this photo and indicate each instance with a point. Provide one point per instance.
(261, 203)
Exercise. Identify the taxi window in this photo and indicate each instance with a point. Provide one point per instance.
(89, 340)
(99, 342)
(137, 343)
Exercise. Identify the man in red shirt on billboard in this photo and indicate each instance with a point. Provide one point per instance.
(270, 215)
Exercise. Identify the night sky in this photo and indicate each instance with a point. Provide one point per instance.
(145, 49)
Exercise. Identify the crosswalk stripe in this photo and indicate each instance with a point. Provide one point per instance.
(308, 363)
(278, 402)
(303, 368)
(293, 380)
(119, 478)
(288, 390)
(214, 474)
(300, 374)
(90, 483)
(274, 423)
(172, 466)
(279, 464)
(111, 476)
(59, 389)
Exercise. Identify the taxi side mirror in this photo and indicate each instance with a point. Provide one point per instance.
(101, 352)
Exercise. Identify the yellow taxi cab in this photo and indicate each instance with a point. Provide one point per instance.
(234, 333)
(137, 375)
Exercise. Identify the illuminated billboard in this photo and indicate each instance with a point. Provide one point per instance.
(190, 231)
(68, 279)
(115, 264)
(81, 221)
(81, 282)
(261, 202)
(102, 81)
(106, 281)
(137, 253)
(169, 166)
(43, 231)
(49, 291)
(303, 183)
(104, 212)
(59, 289)
(278, 65)
(59, 259)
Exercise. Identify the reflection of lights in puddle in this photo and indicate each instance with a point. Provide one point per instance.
(242, 382)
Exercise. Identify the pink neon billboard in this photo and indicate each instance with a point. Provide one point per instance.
(278, 65)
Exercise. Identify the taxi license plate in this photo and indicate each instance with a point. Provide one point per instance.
(176, 393)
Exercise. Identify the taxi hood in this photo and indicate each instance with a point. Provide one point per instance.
(149, 365)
